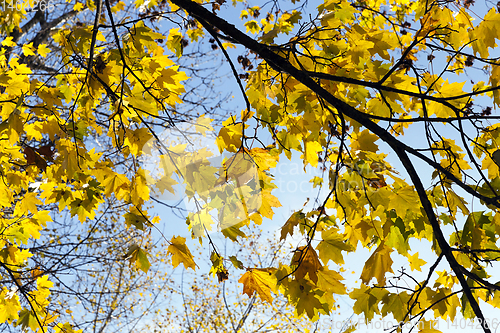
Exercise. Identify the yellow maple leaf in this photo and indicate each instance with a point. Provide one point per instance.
(293, 221)
(330, 281)
(491, 165)
(404, 199)
(267, 202)
(27, 204)
(120, 5)
(114, 182)
(28, 49)
(308, 263)
(9, 306)
(6, 196)
(416, 262)
(140, 189)
(332, 245)
(180, 253)
(364, 141)
(311, 152)
(203, 124)
(174, 41)
(165, 183)
(252, 26)
(17, 84)
(377, 265)
(8, 42)
(78, 7)
(229, 137)
(137, 139)
(260, 281)
(44, 282)
(264, 158)
(139, 257)
(43, 50)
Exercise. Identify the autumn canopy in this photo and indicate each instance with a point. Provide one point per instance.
(394, 104)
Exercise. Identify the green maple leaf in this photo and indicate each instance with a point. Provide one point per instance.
(396, 304)
(366, 302)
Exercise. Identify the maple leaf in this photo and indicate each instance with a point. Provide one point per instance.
(366, 302)
(139, 257)
(174, 41)
(28, 319)
(43, 50)
(416, 262)
(180, 253)
(164, 183)
(268, 201)
(33, 157)
(396, 304)
(114, 183)
(218, 267)
(307, 262)
(203, 124)
(234, 230)
(140, 190)
(403, 200)
(264, 158)
(364, 141)
(27, 204)
(330, 281)
(310, 304)
(257, 280)
(236, 263)
(292, 222)
(311, 149)
(377, 265)
(135, 219)
(137, 139)
(10, 305)
(17, 85)
(332, 245)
